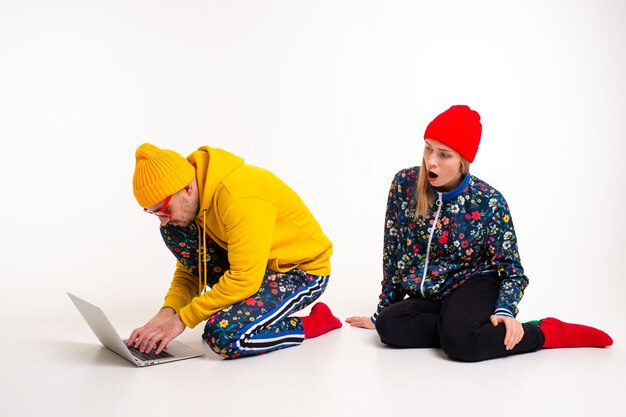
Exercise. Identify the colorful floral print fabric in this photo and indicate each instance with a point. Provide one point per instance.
(473, 235)
(183, 243)
(260, 323)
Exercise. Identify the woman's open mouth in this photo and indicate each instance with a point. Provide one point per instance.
(432, 175)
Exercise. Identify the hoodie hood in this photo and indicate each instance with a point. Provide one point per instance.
(212, 166)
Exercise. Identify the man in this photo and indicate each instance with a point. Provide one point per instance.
(249, 253)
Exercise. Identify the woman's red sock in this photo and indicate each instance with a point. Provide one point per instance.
(320, 321)
(559, 334)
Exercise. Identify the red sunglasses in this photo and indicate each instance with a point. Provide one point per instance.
(161, 212)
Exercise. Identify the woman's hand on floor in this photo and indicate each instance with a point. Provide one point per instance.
(360, 321)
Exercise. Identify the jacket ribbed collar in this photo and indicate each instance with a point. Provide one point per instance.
(449, 195)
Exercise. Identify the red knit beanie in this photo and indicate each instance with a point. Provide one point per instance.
(459, 128)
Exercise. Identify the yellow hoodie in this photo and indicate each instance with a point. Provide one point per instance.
(262, 224)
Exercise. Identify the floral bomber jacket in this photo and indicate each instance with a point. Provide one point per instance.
(469, 231)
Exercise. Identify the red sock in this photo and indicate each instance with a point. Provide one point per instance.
(559, 334)
(320, 321)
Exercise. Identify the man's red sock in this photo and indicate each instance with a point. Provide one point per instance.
(320, 321)
(559, 334)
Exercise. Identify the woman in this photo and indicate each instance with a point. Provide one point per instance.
(450, 249)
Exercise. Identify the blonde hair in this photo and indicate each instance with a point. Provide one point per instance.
(424, 196)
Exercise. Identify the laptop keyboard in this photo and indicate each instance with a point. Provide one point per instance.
(147, 356)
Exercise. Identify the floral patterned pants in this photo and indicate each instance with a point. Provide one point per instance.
(260, 323)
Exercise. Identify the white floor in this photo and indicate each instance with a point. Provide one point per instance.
(60, 369)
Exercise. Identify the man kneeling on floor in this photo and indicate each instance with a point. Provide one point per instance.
(249, 253)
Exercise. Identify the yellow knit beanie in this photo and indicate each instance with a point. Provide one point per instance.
(158, 174)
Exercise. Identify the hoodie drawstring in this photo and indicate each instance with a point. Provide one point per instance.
(202, 262)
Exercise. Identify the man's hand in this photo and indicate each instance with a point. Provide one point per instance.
(161, 329)
(514, 330)
(359, 321)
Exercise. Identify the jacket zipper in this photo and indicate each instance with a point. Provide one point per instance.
(430, 238)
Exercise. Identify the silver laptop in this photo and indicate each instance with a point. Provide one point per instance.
(109, 337)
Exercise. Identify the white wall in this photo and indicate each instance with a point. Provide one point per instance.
(333, 96)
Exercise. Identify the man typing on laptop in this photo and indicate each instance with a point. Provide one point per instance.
(249, 253)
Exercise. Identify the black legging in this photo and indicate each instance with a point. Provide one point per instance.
(459, 324)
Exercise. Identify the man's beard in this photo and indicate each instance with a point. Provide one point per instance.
(190, 210)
